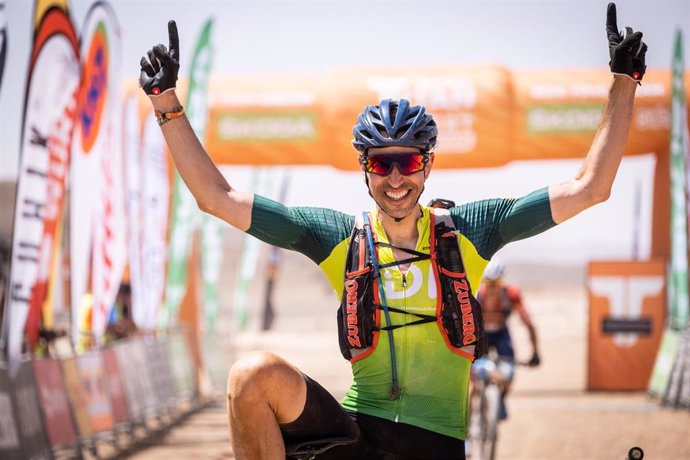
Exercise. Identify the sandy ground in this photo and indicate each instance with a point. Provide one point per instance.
(551, 415)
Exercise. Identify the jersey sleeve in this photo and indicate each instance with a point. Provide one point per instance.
(491, 224)
(312, 231)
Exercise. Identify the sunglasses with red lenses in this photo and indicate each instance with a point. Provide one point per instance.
(382, 164)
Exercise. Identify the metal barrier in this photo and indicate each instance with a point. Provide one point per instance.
(116, 387)
(32, 433)
(116, 397)
(10, 445)
(57, 413)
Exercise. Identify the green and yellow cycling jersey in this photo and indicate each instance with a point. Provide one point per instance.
(433, 379)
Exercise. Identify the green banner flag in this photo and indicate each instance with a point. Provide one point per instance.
(264, 182)
(185, 216)
(661, 383)
(678, 307)
(211, 261)
(663, 365)
(248, 260)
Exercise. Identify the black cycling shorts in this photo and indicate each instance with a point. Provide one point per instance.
(375, 438)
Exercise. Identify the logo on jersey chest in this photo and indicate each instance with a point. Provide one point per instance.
(414, 283)
(351, 305)
(462, 291)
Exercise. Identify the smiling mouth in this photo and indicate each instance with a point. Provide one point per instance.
(397, 195)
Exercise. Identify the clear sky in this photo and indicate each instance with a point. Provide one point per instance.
(262, 37)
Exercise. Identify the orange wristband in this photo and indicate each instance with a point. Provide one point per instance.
(164, 117)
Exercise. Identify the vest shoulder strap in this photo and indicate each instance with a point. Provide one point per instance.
(443, 215)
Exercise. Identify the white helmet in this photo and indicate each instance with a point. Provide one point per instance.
(494, 270)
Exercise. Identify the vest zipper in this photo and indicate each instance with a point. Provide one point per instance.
(403, 336)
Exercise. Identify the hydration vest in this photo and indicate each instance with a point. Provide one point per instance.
(458, 314)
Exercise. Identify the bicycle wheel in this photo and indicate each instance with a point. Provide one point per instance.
(484, 403)
(477, 425)
(492, 395)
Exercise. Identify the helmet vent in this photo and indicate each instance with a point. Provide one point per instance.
(395, 123)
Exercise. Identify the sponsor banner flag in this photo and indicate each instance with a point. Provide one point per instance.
(100, 119)
(211, 263)
(86, 171)
(185, 215)
(663, 365)
(676, 392)
(47, 127)
(684, 396)
(263, 183)
(666, 382)
(155, 192)
(56, 279)
(246, 268)
(3, 39)
(132, 144)
(678, 273)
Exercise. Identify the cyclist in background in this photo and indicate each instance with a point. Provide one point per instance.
(498, 301)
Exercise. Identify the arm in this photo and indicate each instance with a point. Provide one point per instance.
(527, 321)
(518, 305)
(212, 192)
(593, 182)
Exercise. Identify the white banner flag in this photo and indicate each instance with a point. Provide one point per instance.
(132, 152)
(101, 61)
(155, 196)
(46, 135)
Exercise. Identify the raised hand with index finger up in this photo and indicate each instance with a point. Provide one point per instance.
(626, 48)
(160, 65)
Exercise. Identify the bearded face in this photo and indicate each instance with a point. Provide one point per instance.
(397, 194)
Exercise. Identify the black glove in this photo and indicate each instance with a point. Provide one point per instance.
(159, 71)
(626, 48)
(534, 361)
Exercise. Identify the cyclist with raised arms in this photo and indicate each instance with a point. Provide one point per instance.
(405, 273)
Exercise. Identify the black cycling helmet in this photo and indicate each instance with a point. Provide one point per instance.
(394, 123)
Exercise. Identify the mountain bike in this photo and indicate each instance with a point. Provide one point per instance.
(489, 377)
